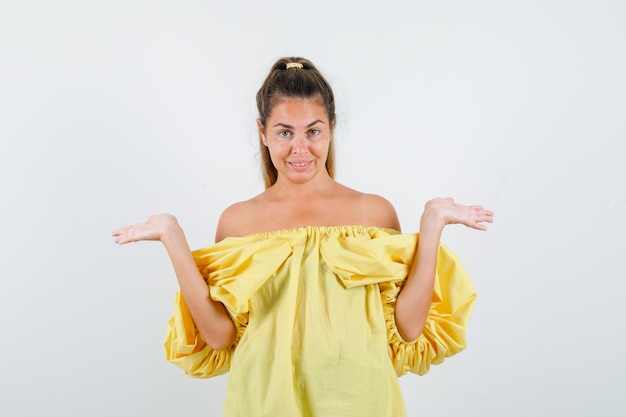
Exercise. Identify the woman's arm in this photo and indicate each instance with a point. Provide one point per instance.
(414, 300)
(209, 316)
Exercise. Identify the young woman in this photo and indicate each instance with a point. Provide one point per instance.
(312, 299)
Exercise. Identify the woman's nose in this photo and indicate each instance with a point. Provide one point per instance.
(299, 144)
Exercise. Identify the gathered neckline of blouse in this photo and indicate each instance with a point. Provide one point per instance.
(323, 230)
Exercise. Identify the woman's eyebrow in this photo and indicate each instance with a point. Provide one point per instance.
(315, 122)
(285, 125)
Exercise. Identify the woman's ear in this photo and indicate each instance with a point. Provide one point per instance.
(261, 128)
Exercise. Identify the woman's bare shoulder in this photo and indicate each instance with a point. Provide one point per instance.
(238, 219)
(373, 209)
(382, 211)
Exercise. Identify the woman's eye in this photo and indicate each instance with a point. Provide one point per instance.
(283, 134)
(314, 132)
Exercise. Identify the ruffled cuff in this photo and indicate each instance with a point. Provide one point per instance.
(444, 332)
(185, 347)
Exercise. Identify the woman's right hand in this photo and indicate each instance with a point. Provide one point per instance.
(155, 228)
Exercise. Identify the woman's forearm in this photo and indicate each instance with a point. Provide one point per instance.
(413, 302)
(209, 316)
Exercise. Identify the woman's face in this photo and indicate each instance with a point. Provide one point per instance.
(297, 134)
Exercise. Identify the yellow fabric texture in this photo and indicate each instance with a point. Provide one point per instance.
(314, 312)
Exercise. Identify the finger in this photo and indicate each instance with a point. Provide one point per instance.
(129, 236)
(117, 232)
(485, 218)
(482, 214)
(123, 230)
(120, 240)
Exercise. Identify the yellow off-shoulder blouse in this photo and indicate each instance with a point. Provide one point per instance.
(314, 312)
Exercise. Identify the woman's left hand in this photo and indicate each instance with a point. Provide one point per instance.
(444, 211)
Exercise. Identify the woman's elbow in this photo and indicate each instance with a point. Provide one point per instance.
(221, 339)
(410, 325)
(410, 333)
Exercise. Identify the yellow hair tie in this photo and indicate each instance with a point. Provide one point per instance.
(293, 65)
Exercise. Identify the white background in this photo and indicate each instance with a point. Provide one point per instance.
(111, 111)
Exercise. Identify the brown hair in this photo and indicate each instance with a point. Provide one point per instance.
(305, 82)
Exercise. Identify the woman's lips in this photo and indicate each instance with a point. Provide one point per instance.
(300, 164)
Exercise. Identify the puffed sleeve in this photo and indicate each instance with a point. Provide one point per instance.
(444, 331)
(385, 259)
(234, 270)
(185, 347)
